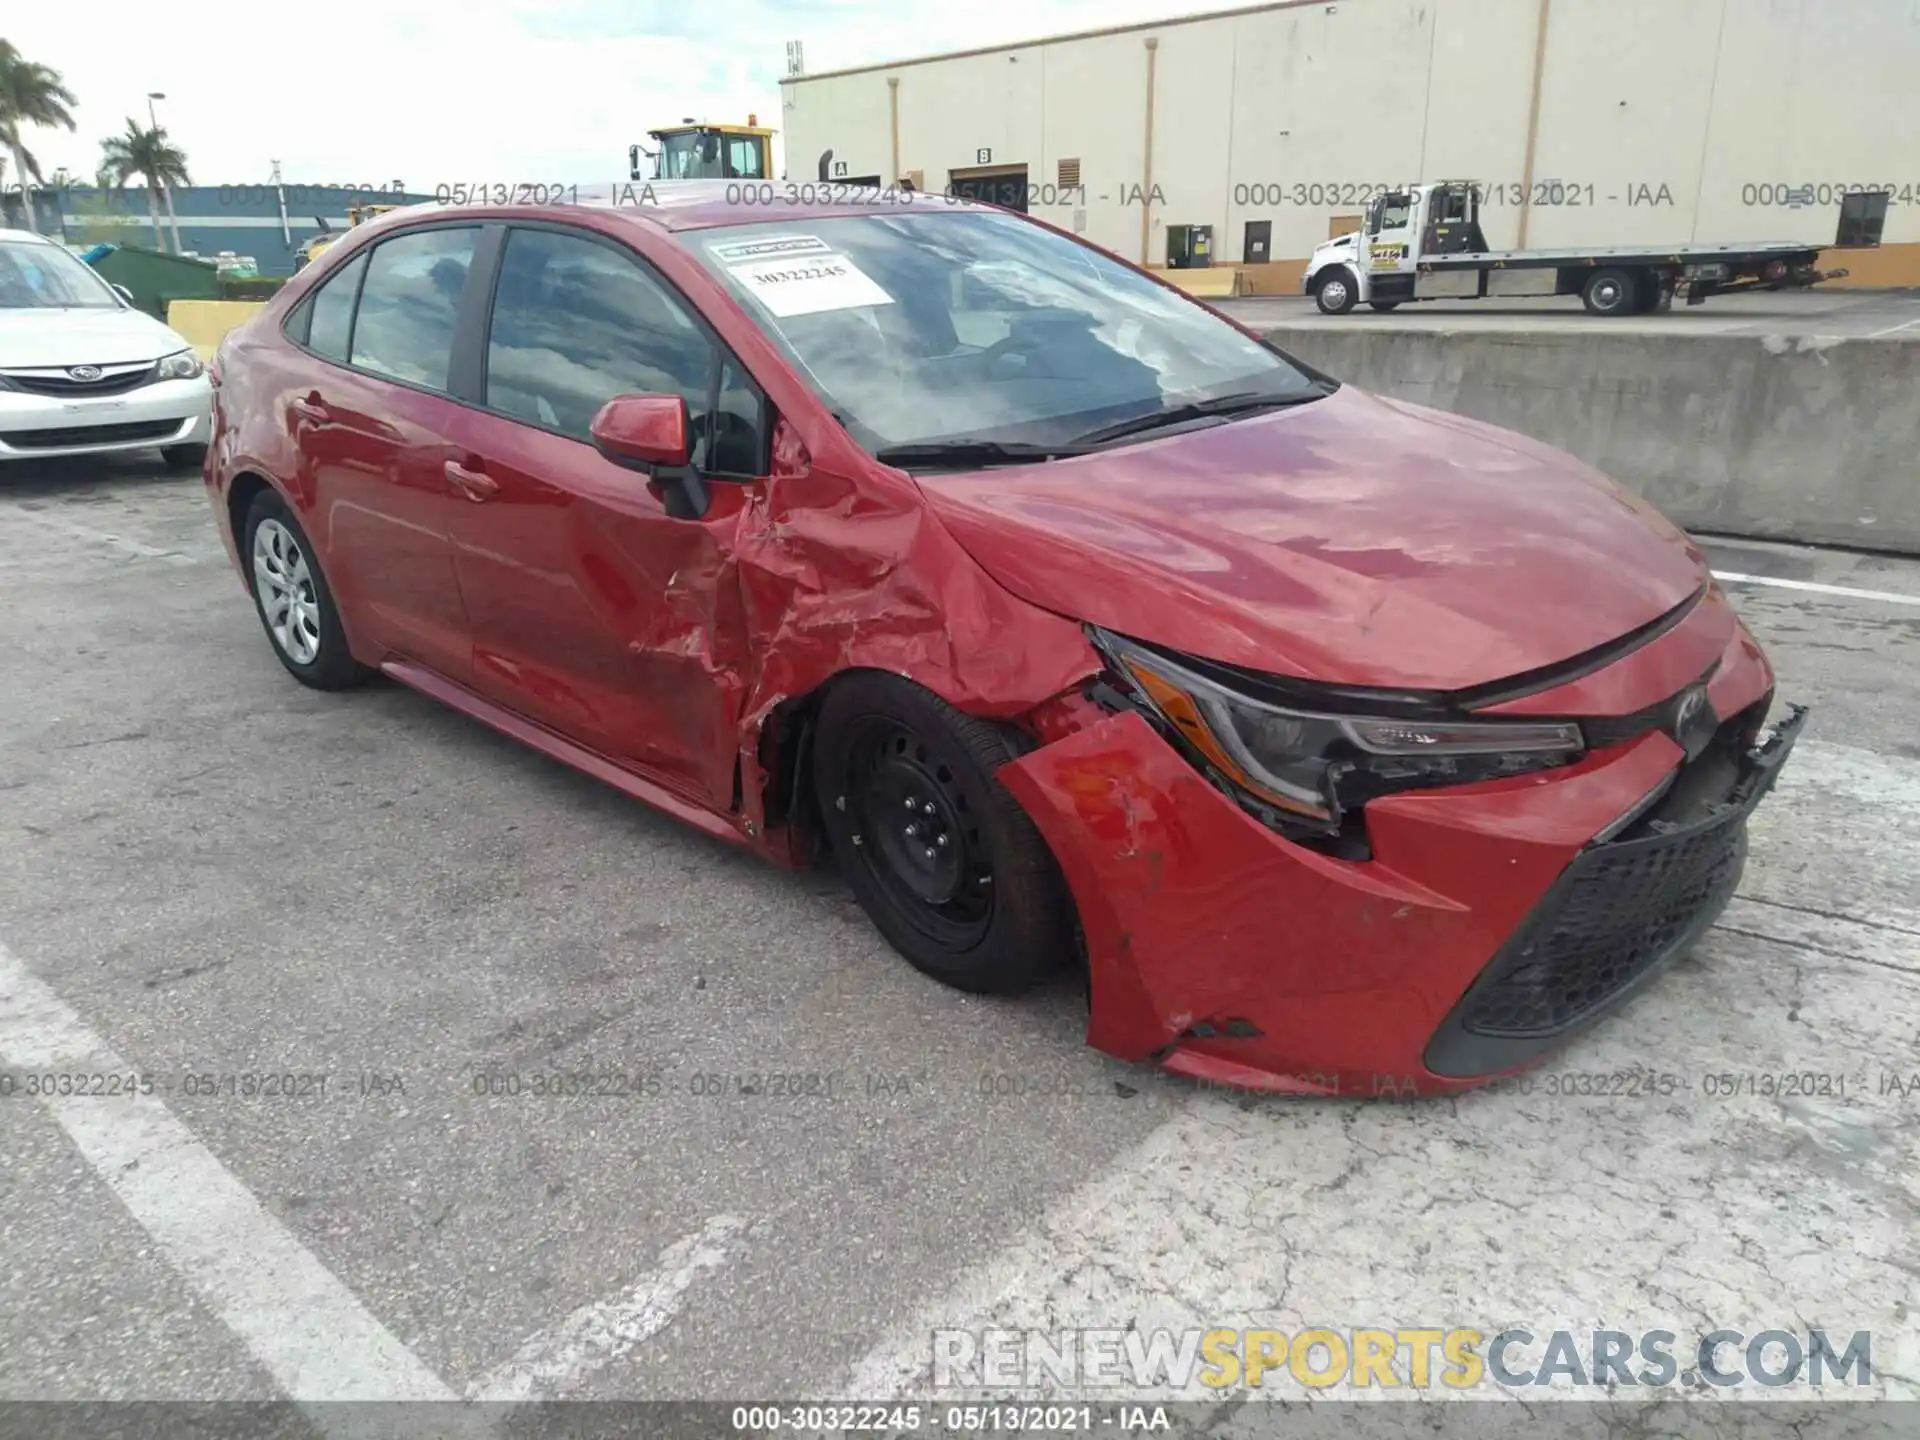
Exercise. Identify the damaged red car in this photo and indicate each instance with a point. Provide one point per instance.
(1347, 745)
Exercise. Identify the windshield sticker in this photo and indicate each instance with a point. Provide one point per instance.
(809, 284)
(773, 247)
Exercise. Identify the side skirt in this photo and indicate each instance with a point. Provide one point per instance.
(557, 747)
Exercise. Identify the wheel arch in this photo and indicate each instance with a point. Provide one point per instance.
(784, 751)
(241, 492)
(1333, 268)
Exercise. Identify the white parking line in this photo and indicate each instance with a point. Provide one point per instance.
(597, 1334)
(1894, 329)
(1893, 597)
(292, 1313)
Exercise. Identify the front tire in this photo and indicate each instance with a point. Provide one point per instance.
(945, 862)
(1385, 307)
(1338, 291)
(291, 596)
(184, 457)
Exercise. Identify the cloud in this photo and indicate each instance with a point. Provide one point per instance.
(371, 91)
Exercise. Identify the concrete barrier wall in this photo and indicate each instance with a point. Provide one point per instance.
(1814, 439)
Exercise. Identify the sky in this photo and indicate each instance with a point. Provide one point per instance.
(366, 92)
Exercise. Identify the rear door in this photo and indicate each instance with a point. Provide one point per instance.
(370, 428)
(593, 611)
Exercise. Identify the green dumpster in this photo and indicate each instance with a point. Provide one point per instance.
(154, 278)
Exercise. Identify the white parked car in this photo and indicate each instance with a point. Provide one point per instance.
(82, 372)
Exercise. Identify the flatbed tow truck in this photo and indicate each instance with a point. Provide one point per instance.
(1425, 243)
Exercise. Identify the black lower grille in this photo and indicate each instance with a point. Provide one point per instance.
(90, 434)
(1617, 911)
(1622, 908)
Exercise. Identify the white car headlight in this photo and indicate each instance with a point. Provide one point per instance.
(185, 365)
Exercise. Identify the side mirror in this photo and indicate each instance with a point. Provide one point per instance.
(123, 292)
(651, 434)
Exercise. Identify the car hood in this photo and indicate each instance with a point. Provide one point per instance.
(39, 337)
(1353, 540)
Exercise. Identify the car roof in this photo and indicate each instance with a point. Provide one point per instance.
(702, 204)
(24, 235)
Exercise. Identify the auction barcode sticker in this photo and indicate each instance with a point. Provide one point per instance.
(809, 284)
(733, 252)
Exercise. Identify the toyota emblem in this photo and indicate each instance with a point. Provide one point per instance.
(84, 372)
(1694, 722)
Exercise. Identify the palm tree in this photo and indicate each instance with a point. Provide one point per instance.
(30, 94)
(148, 154)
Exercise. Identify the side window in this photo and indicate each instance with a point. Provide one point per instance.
(743, 157)
(575, 323)
(408, 305)
(738, 427)
(330, 312)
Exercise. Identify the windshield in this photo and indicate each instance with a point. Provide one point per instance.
(921, 327)
(45, 277)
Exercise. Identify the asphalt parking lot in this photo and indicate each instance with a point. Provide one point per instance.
(1831, 311)
(209, 873)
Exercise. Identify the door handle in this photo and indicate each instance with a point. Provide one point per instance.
(309, 408)
(471, 483)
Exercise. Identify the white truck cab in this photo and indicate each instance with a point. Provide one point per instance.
(1425, 243)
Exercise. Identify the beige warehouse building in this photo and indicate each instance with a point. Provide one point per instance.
(1590, 122)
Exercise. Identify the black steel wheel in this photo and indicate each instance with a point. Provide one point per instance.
(944, 861)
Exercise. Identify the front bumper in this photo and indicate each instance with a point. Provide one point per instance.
(166, 412)
(1492, 923)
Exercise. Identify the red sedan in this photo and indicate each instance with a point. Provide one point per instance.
(1349, 746)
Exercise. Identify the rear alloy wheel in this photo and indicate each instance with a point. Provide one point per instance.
(1610, 292)
(945, 862)
(291, 594)
(1338, 292)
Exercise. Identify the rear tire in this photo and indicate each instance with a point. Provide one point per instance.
(291, 596)
(1338, 291)
(1608, 292)
(945, 862)
(1385, 307)
(184, 457)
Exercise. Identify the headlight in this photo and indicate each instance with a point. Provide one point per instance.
(183, 366)
(1313, 768)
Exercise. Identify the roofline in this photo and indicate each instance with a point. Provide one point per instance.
(1044, 40)
(722, 126)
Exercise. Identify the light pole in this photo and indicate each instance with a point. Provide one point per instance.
(166, 190)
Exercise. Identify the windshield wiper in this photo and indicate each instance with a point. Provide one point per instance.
(974, 452)
(1244, 403)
